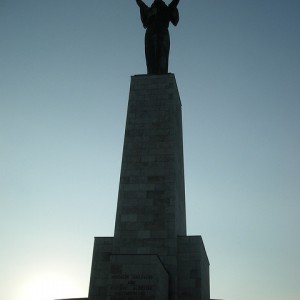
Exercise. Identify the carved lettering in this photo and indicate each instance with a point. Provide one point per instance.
(132, 287)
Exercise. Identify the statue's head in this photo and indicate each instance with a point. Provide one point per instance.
(159, 3)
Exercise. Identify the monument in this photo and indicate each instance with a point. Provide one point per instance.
(150, 256)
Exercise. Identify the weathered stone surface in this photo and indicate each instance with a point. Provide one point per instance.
(151, 192)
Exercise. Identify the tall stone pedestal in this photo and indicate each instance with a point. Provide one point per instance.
(150, 257)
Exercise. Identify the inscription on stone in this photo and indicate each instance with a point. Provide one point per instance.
(132, 287)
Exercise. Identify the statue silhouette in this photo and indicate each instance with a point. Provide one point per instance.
(156, 19)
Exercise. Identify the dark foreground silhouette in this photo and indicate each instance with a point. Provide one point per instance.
(156, 19)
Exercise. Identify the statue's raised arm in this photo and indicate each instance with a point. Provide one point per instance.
(156, 19)
(144, 9)
(174, 3)
(174, 14)
(140, 3)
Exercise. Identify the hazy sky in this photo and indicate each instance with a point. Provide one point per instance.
(65, 68)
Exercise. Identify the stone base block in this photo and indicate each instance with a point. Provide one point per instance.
(193, 269)
(100, 268)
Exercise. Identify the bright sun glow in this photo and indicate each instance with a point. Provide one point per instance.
(48, 286)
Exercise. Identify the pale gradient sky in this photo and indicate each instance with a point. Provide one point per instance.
(65, 68)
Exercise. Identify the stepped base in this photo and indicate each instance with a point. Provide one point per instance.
(142, 277)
